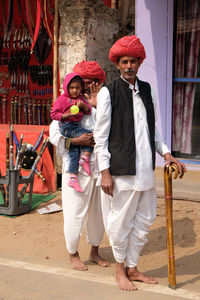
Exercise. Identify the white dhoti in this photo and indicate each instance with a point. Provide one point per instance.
(129, 214)
(127, 218)
(81, 208)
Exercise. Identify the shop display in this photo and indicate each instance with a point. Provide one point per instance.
(26, 58)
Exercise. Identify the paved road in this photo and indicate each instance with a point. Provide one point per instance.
(26, 281)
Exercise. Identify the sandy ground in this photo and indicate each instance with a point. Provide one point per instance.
(36, 238)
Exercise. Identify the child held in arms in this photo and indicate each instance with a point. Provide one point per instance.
(69, 109)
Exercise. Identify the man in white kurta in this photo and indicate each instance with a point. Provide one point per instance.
(128, 201)
(81, 209)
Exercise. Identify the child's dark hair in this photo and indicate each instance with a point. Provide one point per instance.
(77, 79)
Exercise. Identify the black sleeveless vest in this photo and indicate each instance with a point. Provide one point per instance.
(122, 136)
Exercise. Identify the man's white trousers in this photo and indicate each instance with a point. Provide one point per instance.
(81, 208)
(127, 217)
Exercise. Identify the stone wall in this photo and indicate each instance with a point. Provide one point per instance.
(87, 31)
(102, 28)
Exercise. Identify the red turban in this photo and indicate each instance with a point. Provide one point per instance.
(90, 70)
(127, 46)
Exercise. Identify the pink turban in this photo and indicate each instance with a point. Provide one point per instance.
(127, 46)
(90, 70)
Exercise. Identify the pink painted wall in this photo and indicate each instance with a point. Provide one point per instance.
(154, 27)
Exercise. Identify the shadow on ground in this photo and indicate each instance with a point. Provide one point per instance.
(181, 269)
(157, 237)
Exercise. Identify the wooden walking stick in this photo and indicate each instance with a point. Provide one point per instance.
(168, 170)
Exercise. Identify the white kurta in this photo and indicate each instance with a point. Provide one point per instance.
(128, 215)
(144, 178)
(79, 208)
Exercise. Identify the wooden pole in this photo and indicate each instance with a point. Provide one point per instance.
(168, 170)
(55, 71)
(125, 8)
(55, 52)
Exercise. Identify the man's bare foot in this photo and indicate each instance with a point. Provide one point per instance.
(77, 264)
(122, 280)
(134, 275)
(96, 258)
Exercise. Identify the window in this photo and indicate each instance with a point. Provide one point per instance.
(186, 86)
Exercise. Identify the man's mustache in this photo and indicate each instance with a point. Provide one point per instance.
(129, 70)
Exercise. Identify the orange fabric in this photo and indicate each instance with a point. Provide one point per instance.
(31, 134)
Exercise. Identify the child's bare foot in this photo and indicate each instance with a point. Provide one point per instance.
(122, 280)
(134, 275)
(77, 264)
(96, 258)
